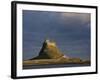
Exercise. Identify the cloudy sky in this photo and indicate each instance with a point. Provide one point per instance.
(70, 31)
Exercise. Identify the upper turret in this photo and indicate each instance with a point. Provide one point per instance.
(50, 43)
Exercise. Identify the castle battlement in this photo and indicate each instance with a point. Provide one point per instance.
(50, 43)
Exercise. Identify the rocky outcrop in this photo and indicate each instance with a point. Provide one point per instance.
(49, 50)
(50, 54)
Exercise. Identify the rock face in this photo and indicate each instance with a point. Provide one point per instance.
(49, 50)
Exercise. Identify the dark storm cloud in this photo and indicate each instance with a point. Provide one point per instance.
(71, 32)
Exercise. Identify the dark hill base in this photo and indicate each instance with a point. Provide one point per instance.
(54, 61)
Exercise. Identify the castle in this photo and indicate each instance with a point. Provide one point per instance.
(50, 43)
